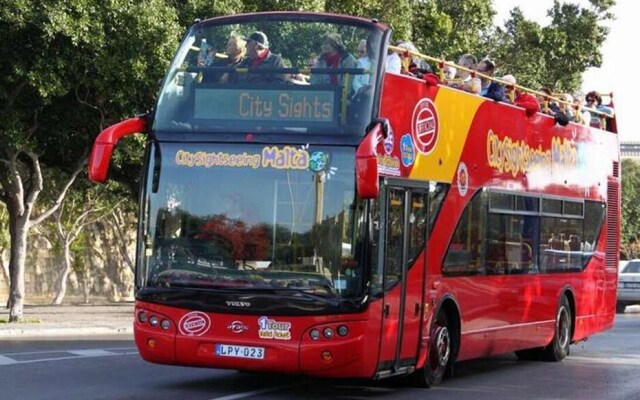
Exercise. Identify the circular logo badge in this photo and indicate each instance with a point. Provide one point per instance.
(318, 161)
(195, 323)
(463, 179)
(425, 126)
(237, 327)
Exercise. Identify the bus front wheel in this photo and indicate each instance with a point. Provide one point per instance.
(440, 356)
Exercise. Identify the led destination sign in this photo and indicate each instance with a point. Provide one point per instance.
(263, 104)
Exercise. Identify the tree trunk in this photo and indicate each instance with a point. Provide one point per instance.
(61, 284)
(18, 230)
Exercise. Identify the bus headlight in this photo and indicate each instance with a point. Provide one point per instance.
(328, 333)
(343, 330)
(142, 317)
(314, 334)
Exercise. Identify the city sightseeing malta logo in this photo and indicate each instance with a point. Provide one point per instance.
(425, 126)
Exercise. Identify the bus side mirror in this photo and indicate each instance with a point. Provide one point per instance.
(367, 174)
(105, 142)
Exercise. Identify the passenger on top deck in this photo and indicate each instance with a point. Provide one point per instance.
(547, 105)
(334, 55)
(463, 79)
(582, 116)
(566, 106)
(394, 64)
(520, 98)
(412, 64)
(489, 88)
(449, 71)
(259, 56)
(235, 50)
(594, 100)
(511, 93)
(361, 81)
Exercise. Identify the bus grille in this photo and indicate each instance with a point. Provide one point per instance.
(613, 224)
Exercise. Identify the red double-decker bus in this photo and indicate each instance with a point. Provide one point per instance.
(304, 211)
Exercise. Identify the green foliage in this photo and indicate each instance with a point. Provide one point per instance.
(190, 10)
(519, 50)
(449, 29)
(555, 55)
(395, 13)
(630, 201)
(80, 65)
(283, 5)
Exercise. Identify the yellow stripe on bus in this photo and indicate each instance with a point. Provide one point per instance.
(456, 111)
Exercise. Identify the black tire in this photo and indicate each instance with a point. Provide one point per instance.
(558, 349)
(440, 358)
(620, 307)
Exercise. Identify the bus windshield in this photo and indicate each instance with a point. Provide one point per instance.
(253, 217)
(272, 73)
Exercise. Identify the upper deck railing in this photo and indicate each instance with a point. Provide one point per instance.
(508, 85)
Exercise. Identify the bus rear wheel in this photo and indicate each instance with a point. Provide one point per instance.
(558, 349)
(440, 356)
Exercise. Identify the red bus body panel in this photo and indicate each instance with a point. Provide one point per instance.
(504, 313)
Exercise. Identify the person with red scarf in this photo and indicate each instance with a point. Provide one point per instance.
(259, 56)
(334, 55)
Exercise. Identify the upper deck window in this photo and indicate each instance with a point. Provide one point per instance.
(273, 73)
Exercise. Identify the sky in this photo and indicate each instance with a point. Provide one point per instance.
(613, 76)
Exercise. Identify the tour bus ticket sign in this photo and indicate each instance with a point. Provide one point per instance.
(273, 105)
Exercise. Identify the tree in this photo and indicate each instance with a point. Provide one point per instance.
(518, 49)
(396, 13)
(449, 29)
(190, 10)
(556, 55)
(630, 224)
(78, 210)
(80, 65)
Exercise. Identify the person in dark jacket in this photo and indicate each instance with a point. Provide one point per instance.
(489, 88)
(259, 56)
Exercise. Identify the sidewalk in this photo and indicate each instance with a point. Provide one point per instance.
(69, 320)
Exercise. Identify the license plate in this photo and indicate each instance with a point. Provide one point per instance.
(228, 350)
(631, 285)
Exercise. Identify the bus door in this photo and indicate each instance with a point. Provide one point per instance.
(402, 236)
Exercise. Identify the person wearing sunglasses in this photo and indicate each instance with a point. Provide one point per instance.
(593, 100)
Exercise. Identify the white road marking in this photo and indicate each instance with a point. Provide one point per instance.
(255, 392)
(630, 360)
(92, 353)
(10, 358)
(6, 360)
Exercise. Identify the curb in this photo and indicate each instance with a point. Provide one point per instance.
(14, 333)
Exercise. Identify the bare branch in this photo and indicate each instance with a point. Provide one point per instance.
(117, 228)
(62, 195)
(36, 179)
(84, 102)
